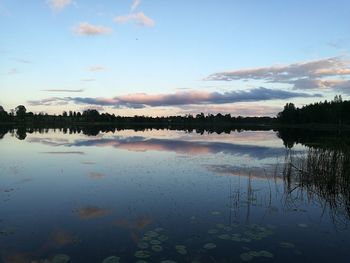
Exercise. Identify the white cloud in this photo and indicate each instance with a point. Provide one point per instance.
(86, 29)
(135, 5)
(58, 5)
(97, 68)
(139, 18)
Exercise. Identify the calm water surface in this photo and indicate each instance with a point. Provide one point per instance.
(164, 196)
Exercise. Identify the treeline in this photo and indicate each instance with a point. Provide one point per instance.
(327, 112)
(91, 116)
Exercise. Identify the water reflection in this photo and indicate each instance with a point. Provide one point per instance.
(141, 144)
(175, 196)
(91, 212)
(322, 175)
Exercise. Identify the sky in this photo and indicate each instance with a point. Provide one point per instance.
(153, 57)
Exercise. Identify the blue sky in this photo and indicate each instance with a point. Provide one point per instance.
(153, 57)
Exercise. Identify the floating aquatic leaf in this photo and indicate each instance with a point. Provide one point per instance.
(220, 225)
(227, 228)
(246, 257)
(155, 242)
(142, 254)
(213, 231)
(157, 248)
(236, 239)
(287, 245)
(111, 259)
(142, 245)
(141, 261)
(254, 253)
(182, 251)
(60, 258)
(265, 254)
(180, 247)
(163, 238)
(159, 229)
(215, 213)
(168, 261)
(209, 246)
(151, 234)
(146, 238)
(224, 236)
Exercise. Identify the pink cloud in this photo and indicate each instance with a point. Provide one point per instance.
(139, 18)
(58, 5)
(87, 29)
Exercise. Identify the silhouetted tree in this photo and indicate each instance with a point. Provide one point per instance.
(21, 133)
(21, 111)
(3, 114)
(333, 112)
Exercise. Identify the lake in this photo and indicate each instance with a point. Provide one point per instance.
(173, 196)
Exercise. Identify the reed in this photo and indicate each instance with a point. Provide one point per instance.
(323, 174)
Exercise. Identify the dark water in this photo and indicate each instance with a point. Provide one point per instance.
(172, 196)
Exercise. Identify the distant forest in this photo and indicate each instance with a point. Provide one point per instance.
(327, 112)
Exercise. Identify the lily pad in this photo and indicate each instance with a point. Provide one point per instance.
(228, 228)
(157, 248)
(180, 247)
(266, 254)
(213, 231)
(287, 245)
(60, 258)
(246, 257)
(111, 259)
(215, 213)
(142, 245)
(142, 254)
(151, 234)
(168, 261)
(182, 251)
(236, 239)
(146, 238)
(163, 238)
(254, 253)
(224, 236)
(155, 242)
(209, 246)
